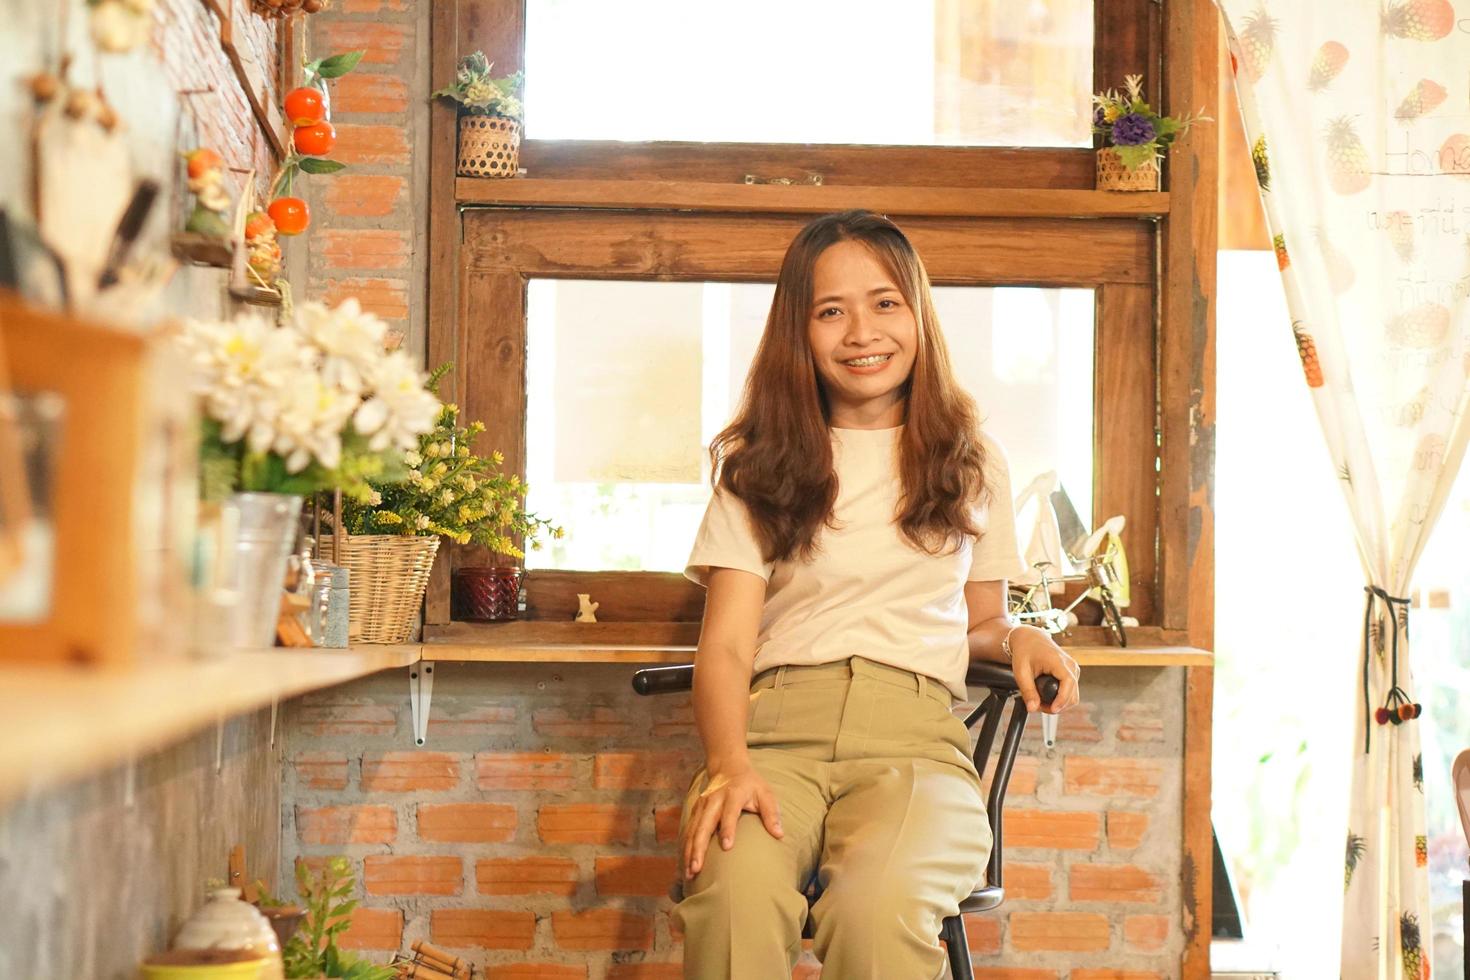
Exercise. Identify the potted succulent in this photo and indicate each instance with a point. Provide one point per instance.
(490, 114)
(1136, 137)
(454, 493)
(314, 405)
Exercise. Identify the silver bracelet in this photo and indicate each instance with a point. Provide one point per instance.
(1005, 644)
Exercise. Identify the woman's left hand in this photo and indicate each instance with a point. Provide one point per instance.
(1034, 653)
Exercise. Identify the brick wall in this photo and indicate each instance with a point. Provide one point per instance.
(369, 222)
(534, 833)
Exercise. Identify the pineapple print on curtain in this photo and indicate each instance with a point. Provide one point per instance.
(1359, 121)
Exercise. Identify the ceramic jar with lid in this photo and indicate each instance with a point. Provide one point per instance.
(227, 922)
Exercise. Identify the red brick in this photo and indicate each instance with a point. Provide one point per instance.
(468, 823)
(645, 971)
(526, 876)
(1114, 883)
(480, 721)
(1024, 773)
(374, 929)
(1116, 975)
(388, 874)
(524, 770)
(346, 824)
(641, 770)
(372, 7)
(359, 248)
(674, 722)
(362, 91)
(1027, 881)
(536, 971)
(640, 875)
(585, 823)
(365, 196)
(1068, 932)
(1082, 774)
(348, 719)
(321, 770)
(1126, 828)
(596, 722)
(1065, 830)
(371, 143)
(388, 298)
(1012, 973)
(1141, 723)
(1146, 933)
(666, 823)
(409, 772)
(1076, 724)
(602, 929)
(482, 928)
(381, 42)
(983, 933)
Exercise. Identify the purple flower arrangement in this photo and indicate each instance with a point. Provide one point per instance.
(1131, 126)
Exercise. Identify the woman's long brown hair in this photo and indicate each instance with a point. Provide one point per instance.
(776, 455)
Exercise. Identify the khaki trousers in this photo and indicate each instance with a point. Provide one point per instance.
(878, 798)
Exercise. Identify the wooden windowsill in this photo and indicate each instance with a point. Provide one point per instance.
(657, 643)
(65, 722)
(686, 195)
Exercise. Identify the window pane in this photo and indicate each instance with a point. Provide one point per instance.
(946, 72)
(628, 381)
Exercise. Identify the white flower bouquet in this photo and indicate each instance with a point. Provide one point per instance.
(314, 405)
(480, 95)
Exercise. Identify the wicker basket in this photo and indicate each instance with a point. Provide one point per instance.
(388, 574)
(489, 146)
(1112, 175)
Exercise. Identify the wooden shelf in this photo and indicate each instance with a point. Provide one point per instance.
(1087, 656)
(65, 722)
(671, 195)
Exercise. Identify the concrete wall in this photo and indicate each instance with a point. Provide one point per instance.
(534, 833)
(95, 881)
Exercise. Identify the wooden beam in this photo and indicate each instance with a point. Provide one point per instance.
(670, 195)
(250, 73)
(1187, 392)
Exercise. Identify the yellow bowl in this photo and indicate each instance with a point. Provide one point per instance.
(220, 964)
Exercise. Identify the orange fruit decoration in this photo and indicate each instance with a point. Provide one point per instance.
(257, 224)
(315, 140)
(304, 106)
(290, 215)
(202, 160)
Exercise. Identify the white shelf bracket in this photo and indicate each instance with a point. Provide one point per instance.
(421, 696)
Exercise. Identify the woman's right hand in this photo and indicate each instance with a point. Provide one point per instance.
(718, 808)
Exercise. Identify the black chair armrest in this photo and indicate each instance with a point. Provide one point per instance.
(995, 677)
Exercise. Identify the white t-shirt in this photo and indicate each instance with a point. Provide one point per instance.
(868, 592)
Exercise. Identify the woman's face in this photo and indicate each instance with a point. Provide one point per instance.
(863, 336)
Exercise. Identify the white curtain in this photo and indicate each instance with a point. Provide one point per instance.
(1359, 121)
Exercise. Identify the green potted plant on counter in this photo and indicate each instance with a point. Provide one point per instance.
(452, 492)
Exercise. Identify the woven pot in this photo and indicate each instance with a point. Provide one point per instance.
(1112, 175)
(389, 573)
(489, 146)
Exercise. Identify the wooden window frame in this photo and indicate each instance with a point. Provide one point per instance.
(504, 248)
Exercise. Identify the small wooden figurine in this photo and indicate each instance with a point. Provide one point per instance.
(588, 610)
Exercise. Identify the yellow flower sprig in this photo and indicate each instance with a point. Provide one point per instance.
(451, 491)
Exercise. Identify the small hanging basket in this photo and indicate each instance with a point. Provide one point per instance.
(489, 146)
(1112, 175)
(389, 573)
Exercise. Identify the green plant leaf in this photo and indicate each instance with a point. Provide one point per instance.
(339, 64)
(1134, 157)
(318, 165)
(344, 909)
